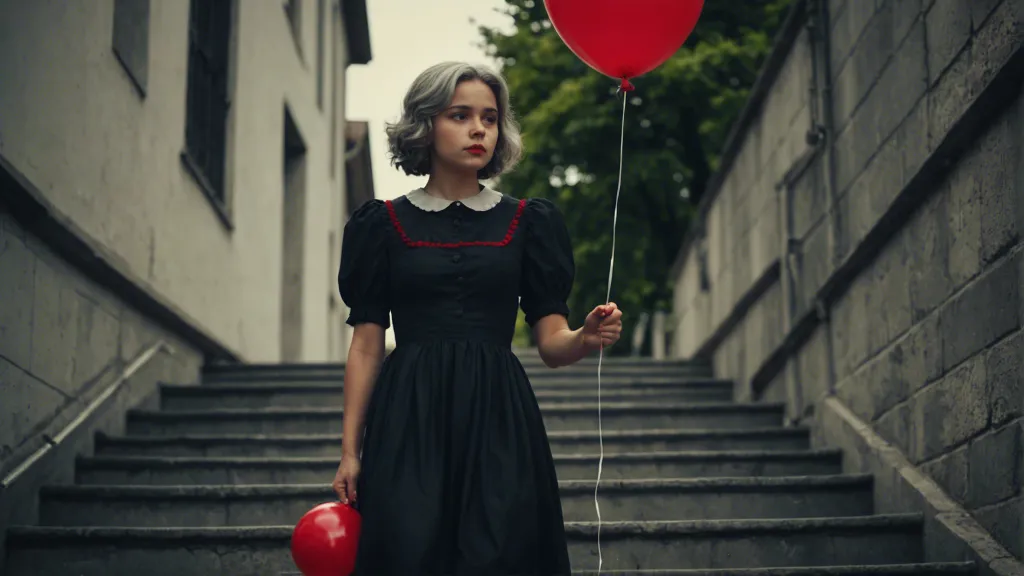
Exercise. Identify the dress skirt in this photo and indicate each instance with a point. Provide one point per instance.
(457, 474)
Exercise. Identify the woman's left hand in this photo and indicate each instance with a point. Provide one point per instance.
(602, 327)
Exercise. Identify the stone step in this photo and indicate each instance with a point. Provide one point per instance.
(534, 366)
(534, 371)
(229, 368)
(564, 441)
(528, 361)
(718, 498)
(591, 361)
(170, 470)
(680, 439)
(612, 375)
(580, 383)
(538, 379)
(880, 539)
(575, 416)
(924, 569)
(83, 551)
(621, 500)
(179, 397)
(725, 544)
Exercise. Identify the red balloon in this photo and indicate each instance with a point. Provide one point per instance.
(325, 540)
(624, 38)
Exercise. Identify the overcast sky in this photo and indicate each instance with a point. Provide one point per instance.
(406, 37)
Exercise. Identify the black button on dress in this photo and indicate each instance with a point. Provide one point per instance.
(457, 474)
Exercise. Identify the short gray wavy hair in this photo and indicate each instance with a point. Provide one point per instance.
(409, 142)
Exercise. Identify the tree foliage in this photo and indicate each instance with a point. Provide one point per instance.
(677, 121)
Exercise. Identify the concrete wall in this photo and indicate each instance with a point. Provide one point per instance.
(63, 341)
(107, 158)
(742, 238)
(66, 340)
(904, 300)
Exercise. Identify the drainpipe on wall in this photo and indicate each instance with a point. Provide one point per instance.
(820, 30)
(819, 138)
(821, 81)
(789, 263)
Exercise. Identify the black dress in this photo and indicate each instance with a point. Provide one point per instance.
(457, 474)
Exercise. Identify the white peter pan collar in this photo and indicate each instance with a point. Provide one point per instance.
(482, 202)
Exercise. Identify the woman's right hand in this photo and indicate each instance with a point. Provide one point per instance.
(346, 478)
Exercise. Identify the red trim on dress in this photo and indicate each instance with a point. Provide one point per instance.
(425, 244)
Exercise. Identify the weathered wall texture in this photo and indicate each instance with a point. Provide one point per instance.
(906, 301)
(65, 342)
(742, 239)
(108, 160)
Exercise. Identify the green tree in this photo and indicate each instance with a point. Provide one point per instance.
(677, 121)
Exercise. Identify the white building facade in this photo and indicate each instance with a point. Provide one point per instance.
(169, 169)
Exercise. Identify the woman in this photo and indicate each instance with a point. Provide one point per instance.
(454, 475)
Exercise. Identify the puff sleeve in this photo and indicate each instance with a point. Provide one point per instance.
(548, 266)
(363, 275)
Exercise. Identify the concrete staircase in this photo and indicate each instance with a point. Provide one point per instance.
(693, 483)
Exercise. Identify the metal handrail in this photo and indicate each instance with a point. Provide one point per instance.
(54, 441)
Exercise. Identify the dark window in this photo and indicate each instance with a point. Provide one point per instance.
(321, 9)
(335, 39)
(131, 39)
(293, 8)
(207, 106)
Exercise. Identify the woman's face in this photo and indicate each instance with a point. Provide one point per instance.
(467, 131)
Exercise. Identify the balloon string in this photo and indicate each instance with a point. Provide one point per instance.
(600, 358)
